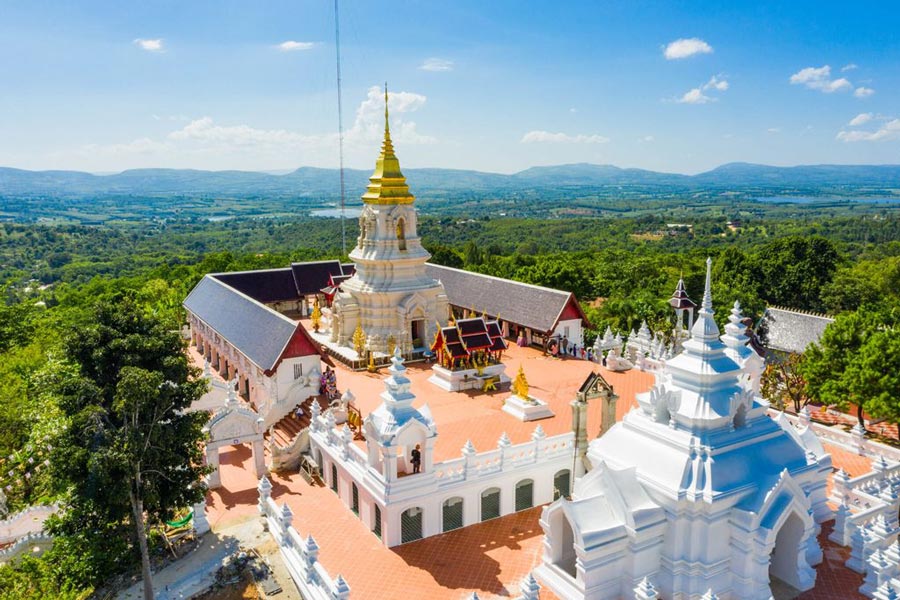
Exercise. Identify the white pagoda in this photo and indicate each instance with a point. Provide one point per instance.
(696, 491)
(390, 295)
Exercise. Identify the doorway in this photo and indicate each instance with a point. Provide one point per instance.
(417, 331)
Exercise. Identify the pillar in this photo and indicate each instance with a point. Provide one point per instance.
(214, 479)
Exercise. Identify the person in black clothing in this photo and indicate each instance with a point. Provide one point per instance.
(416, 458)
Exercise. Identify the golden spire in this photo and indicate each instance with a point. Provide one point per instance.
(387, 185)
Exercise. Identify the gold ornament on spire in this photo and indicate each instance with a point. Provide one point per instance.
(520, 384)
(387, 185)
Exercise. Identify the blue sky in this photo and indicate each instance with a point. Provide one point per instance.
(496, 86)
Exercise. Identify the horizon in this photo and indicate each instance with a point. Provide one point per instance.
(101, 87)
(288, 171)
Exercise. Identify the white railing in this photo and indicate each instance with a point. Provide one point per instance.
(28, 521)
(853, 440)
(300, 555)
(31, 541)
(866, 519)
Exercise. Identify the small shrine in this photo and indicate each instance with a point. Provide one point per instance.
(521, 404)
(469, 354)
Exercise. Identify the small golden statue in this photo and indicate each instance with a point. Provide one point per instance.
(391, 343)
(520, 384)
(359, 340)
(371, 367)
(316, 317)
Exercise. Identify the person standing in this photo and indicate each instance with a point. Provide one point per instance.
(416, 458)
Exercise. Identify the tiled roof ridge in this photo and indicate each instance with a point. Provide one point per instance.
(515, 281)
(272, 270)
(311, 262)
(800, 311)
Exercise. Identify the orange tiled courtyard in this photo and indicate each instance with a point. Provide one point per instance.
(489, 558)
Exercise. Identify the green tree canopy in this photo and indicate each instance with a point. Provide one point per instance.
(131, 454)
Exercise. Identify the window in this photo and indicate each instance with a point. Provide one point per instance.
(490, 504)
(376, 522)
(411, 525)
(334, 481)
(561, 484)
(298, 370)
(453, 513)
(401, 234)
(524, 494)
(354, 499)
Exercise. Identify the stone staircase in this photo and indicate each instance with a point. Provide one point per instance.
(288, 438)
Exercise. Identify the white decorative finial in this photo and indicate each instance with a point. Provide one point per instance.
(707, 290)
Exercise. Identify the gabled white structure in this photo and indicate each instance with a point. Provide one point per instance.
(696, 491)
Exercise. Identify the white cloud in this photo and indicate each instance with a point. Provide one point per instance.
(849, 67)
(149, 45)
(715, 83)
(695, 96)
(562, 138)
(819, 78)
(861, 119)
(436, 65)
(573, 110)
(292, 46)
(204, 139)
(647, 138)
(888, 131)
(863, 92)
(685, 47)
(774, 130)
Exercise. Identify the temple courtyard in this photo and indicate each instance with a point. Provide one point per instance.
(489, 558)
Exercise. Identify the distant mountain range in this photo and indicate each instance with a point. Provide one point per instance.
(314, 182)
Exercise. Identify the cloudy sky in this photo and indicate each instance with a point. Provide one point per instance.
(496, 86)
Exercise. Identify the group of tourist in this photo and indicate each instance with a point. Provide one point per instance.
(328, 384)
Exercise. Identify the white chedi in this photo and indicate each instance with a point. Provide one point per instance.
(697, 489)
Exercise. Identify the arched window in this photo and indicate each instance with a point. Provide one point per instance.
(411, 525)
(561, 483)
(453, 513)
(490, 504)
(401, 234)
(524, 494)
(376, 521)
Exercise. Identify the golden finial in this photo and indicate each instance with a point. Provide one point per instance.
(387, 126)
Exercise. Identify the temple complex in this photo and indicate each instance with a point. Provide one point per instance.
(434, 458)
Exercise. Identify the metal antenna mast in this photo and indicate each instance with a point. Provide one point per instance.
(337, 48)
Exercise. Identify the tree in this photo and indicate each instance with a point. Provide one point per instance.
(783, 382)
(833, 368)
(794, 270)
(874, 375)
(130, 453)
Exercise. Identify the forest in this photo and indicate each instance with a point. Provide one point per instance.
(66, 283)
